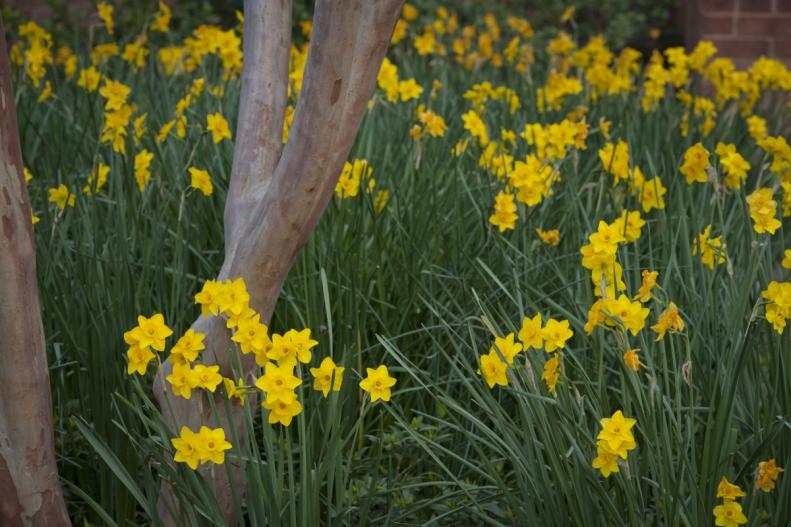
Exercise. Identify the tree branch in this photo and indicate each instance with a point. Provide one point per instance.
(262, 107)
(272, 210)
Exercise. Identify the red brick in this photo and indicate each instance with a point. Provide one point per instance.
(690, 22)
(716, 25)
(768, 26)
(717, 5)
(783, 48)
(742, 47)
(755, 6)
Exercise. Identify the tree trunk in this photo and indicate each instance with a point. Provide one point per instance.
(276, 198)
(30, 492)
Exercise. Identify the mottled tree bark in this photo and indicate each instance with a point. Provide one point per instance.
(30, 492)
(277, 195)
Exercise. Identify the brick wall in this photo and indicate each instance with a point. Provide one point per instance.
(741, 29)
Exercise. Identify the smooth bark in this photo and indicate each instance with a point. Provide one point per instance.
(30, 492)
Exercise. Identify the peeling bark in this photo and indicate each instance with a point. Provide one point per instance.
(276, 198)
(30, 492)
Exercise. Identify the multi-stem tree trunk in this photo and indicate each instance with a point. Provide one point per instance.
(30, 492)
(277, 195)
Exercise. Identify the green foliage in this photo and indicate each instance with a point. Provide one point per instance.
(622, 22)
(423, 287)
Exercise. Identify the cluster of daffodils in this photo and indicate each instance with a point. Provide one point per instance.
(613, 443)
(729, 513)
(607, 75)
(763, 210)
(611, 309)
(279, 384)
(696, 164)
(527, 181)
(615, 161)
(395, 89)
(430, 123)
(524, 166)
(552, 337)
(600, 73)
(559, 85)
(734, 166)
(150, 333)
(625, 315)
(357, 174)
(711, 248)
(34, 52)
(353, 174)
(505, 215)
(600, 254)
(620, 313)
(471, 46)
(699, 110)
(742, 87)
(766, 475)
(577, 73)
(117, 116)
(778, 307)
(219, 131)
(123, 125)
(697, 168)
(205, 446)
(280, 356)
(549, 236)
